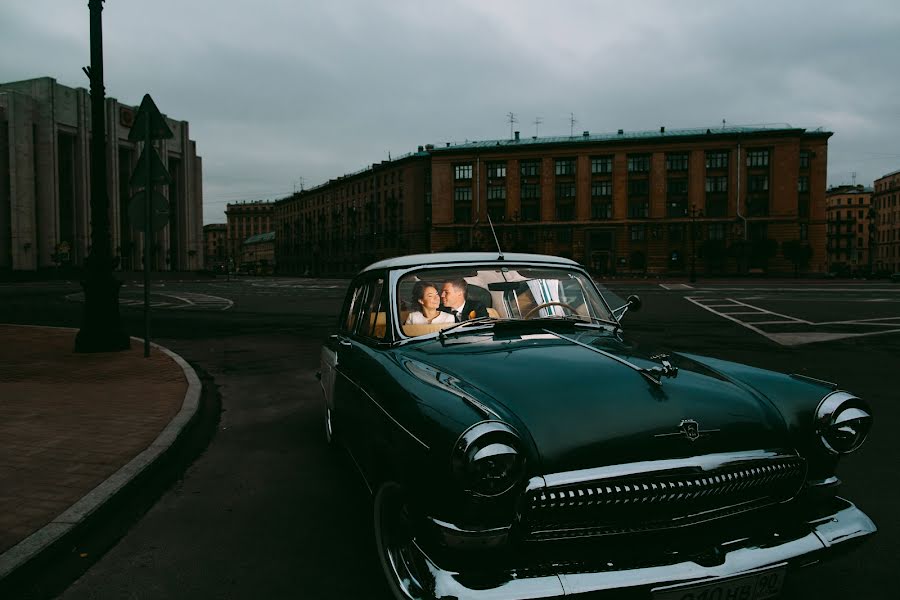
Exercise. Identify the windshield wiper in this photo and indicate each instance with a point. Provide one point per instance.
(482, 320)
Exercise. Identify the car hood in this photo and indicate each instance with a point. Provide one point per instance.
(583, 408)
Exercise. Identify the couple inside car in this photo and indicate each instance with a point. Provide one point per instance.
(450, 305)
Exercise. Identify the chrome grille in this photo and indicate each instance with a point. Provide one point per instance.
(654, 500)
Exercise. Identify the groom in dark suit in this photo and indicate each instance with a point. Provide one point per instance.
(454, 298)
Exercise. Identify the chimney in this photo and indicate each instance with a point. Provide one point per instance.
(421, 148)
(517, 136)
(662, 129)
(448, 144)
(429, 147)
(621, 132)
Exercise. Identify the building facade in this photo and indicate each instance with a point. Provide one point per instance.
(246, 219)
(343, 225)
(216, 251)
(886, 234)
(849, 216)
(45, 222)
(258, 254)
(725, 200)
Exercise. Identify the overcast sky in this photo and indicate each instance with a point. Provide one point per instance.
(280, 93)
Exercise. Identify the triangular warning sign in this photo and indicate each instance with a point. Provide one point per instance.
(149, 158)
(148, 114)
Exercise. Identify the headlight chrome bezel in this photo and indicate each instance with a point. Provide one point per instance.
(842, 415)
(486, 445)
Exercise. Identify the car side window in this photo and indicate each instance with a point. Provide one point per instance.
(357, 298)
(373, 317)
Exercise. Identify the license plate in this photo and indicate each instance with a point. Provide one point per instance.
(755, 586)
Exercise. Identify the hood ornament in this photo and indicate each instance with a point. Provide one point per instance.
(690, 429)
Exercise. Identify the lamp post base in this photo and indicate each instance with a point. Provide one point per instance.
(101, 330)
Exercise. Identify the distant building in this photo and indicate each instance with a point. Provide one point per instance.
(849, 217)
(216, 251)
(349, 222)
(734, 199)
(886, 201)
(246, 219)
(45, 182)
(258, 254)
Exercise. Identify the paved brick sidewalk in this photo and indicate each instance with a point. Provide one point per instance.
(68, 421)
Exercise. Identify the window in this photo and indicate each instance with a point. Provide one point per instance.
(496, 192)
(677, 207)
(677, 186)
(601, 189)
(716, 184)
(370, 322)
(715, 231)
(565, 191)
(565, 212)
(496, 169)
(601, 164)
(638, 187)
(531, 209)
(758, 184)
(564, 235)
(531, 190)
(804, 232)
(565, 166)
(804, 159)
(638, 209)
(637, 233)
(803, 183)
(717, 159)
(638, 163)
(462, 171)
(676, 232)
(601, 209)
(757, 158)
(530, 168)
(677, 162)
(462, 194)
(462, 205)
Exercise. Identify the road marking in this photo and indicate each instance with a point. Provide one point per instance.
(676, 286)
(794, 338)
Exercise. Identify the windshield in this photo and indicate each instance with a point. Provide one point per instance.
(433, 299)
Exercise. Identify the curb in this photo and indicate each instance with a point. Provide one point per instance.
(53, 532)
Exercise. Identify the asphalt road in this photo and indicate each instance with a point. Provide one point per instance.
(267, 510)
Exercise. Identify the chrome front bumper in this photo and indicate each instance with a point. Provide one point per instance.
(825, 536)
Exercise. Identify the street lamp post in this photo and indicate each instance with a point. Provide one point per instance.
(101, 329)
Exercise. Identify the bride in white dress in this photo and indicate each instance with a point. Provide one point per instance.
(427, 299)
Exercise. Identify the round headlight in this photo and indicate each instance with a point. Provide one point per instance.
(843, 422)
(486, 459)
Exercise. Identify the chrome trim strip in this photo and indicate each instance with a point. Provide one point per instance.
(705, 462)
(386, 413)
(457, 537)
(830, 384)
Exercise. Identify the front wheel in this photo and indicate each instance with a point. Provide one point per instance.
(394, 543)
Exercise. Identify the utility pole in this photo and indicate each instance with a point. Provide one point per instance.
(101, 329)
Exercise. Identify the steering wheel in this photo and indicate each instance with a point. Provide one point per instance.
(568, 307)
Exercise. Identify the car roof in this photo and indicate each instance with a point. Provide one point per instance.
(440, 258)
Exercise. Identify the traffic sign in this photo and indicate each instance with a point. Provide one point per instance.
(159, 211)
(141, 171)
(149, 115)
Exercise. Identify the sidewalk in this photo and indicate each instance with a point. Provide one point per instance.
(76, 428)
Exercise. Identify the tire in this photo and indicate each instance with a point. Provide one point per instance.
(394, 544)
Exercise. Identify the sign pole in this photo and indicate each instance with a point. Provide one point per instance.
(148, 195)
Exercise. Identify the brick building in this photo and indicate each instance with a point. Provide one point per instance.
(215, 249)
(346, 223)
(246, 219)
(45, 131)
(886, 238)
(737, 199)
(849, 217)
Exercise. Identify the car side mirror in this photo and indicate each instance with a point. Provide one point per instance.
(632, 303)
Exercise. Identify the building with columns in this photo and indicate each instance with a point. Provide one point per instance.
(45, 131)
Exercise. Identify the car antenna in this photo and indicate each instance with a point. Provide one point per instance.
(499, 250)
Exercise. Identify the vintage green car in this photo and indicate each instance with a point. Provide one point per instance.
(519, 448)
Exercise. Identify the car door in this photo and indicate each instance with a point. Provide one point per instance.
(356, 349)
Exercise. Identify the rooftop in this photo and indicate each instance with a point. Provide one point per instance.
(445, 258)
(259, 238)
